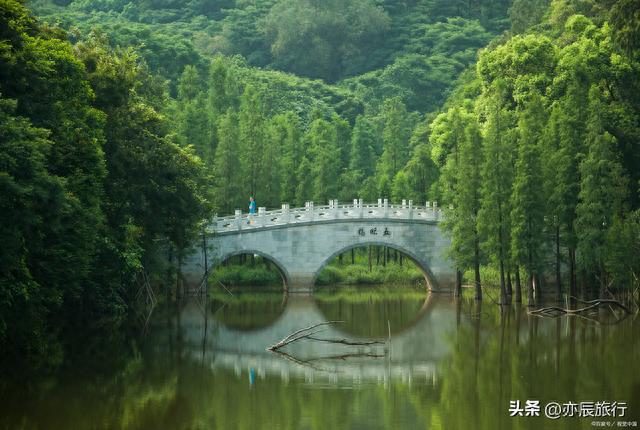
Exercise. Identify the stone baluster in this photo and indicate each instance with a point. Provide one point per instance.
(361, 208)
(336, 209)
(311, 211)
(262, 216)
(238, 220)
(410, 209)
(404, 203)
(386, 207)
(436, 211)
(285, 213)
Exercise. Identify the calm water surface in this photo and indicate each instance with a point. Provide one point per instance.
(449, 365)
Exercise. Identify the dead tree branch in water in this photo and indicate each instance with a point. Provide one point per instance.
(309, 333)
(554, 311)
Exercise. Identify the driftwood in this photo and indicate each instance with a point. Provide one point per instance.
(310, 332)
(554, 311)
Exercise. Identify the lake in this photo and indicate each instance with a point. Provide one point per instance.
(419, 361)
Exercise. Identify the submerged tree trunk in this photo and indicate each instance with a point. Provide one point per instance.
(572, 273)
(537, 286)
(509, 285)
(457, 292)
(503, 289)
(179, 276)
(558, 275)
(169, 270)
(530, 289)
(518, 286)
(476, 270)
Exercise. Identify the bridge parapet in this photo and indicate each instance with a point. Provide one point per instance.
(333, 211)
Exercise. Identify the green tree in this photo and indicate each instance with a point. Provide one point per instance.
(401, 188)
(252, 137)
(289, 131)
(363, 144)
(395, 137)
(527, 201)
(602, 193)
(497, 174)
(462, 218)
(227, 179)
(325, 162)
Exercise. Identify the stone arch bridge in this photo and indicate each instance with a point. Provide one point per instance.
(301, 241)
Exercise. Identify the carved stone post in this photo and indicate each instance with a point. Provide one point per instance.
(238, 216)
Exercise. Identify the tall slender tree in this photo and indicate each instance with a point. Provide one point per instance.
(527, 202)
(227, 180)
(462, 217)
(497, 174)
(252, 140)
(602, 193)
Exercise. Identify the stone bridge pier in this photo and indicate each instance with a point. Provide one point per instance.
(301, 244)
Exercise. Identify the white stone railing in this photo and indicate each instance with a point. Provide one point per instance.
(332, 211)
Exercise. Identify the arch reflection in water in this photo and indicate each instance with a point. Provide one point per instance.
(415, 351)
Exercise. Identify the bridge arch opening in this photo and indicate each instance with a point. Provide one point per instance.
(375, 254)
(250, 269)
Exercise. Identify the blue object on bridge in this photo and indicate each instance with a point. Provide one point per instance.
(252, 376)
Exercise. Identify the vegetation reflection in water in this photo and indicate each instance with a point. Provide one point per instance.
(484, 359)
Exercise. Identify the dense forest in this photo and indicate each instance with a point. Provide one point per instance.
(125, 124)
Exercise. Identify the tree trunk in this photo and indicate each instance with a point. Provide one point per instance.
(509, 285)
(476, 269)
(457, 292)
(179, 276)
(377, 255)
(353, 257)
(340, 260)
(558, 275)
(572, 273)
(518, 286)
(530, 290)
(169, 270)
(369, 258)
(503, 289)
(537, 286)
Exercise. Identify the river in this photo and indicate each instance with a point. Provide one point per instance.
(437, 363)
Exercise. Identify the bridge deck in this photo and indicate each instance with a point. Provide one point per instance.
(328, 213)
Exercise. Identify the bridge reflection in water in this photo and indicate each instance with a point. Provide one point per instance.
(413, 353)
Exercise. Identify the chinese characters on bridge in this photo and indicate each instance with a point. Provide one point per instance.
(374, 232)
